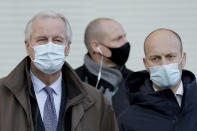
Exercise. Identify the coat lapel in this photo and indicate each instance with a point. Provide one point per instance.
(77, 114)
(78, 111)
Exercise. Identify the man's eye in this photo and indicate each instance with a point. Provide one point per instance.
(58, 40)
(171, 57)
(154, 59)
(121, 37)
(41, 40)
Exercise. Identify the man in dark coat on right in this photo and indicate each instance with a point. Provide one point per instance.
(163, 98)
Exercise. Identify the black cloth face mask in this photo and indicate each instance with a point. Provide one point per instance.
(119, 55)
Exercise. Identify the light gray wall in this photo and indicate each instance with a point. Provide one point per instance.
(138, 17)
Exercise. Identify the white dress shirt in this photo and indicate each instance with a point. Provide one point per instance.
(178, 94)
(41, 95)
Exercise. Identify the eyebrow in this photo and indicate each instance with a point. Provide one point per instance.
(154, 56)
(43, 36)
(59, 37)
(172, 53)
(119, 36)
(39, 37)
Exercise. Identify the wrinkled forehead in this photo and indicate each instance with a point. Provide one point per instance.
(162, 42)
(49, 26)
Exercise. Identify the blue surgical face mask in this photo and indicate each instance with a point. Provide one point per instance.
(165, 76)
(49, 58)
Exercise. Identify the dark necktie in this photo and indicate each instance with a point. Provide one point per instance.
(49, 117)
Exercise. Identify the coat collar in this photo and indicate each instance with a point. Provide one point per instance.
(142, 94)
(20, 78)
(17, 80)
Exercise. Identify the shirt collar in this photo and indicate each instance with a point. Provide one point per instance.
(179, 90)
(39, 85)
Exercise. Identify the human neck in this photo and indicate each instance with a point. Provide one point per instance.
(47, 79)
(174, 89)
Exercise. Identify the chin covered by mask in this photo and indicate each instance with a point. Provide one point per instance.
(120, 55)
(49, 58)
(165, 76)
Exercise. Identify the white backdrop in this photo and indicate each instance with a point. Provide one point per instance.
(138, 17)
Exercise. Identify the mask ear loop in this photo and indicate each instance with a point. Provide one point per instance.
(33, 49)
(147, 64)
(181, 61)
(100, 67)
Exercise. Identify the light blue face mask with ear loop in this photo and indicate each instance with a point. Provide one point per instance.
(49, 58)
(166, 76)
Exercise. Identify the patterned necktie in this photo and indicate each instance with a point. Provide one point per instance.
(50, 117)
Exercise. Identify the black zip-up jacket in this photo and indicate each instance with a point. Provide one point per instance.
(120, 100)
(159, 111)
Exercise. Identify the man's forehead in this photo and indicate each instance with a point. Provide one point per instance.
(113, 30)
(162, 41)
(49, 22)
(46, 26)
(162, 51)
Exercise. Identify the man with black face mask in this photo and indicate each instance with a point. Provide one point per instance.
(104, 64)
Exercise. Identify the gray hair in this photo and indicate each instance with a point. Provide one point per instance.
(47, 14)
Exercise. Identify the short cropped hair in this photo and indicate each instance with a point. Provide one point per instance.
(94, 29)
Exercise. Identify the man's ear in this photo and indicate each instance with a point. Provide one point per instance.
(94, 46)
(67, 49)
(145, 64)
(27, 45)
